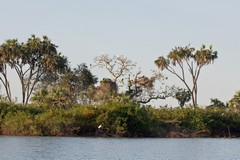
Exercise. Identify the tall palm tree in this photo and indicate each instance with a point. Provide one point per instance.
(185, 60)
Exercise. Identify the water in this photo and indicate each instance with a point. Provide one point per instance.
(75, 148)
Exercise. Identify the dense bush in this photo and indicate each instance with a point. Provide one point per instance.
(83, 119)
(18, 123)
(54, 123)
(126, 119)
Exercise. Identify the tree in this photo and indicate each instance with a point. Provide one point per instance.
(186, 58)
(70, 89)
(182, 96)
(84, 76)
(117, 66)
(56, 97)
(142, 89)
(235, 101)
(31, 61)
(4, 80)
(81, 80)
(216, 103)
(107, 90)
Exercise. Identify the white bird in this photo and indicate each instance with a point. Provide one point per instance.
(100, 126)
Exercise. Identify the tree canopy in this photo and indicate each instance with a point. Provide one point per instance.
(118, 66)
(42, 69)
(31, 60)
(69, 89)
(188, 61)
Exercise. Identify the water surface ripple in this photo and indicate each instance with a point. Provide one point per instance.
(78, 148)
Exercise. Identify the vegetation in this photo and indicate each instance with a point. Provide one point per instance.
(119, 119)
(117, 66)
(187, 58)
(31, 61)
(69, 89)
(58, 100)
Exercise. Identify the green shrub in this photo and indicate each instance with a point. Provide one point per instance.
(117, 118)
(125, 119)
(54, 123)
(18, 123)
(84, 119)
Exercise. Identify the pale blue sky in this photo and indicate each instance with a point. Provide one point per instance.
(140, 29)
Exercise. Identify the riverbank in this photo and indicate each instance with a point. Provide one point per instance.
(118, 120)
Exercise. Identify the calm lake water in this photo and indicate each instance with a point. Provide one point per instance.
(75, 148)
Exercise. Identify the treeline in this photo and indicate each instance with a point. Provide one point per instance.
(60, 100)
(45, 75)
(119, 119)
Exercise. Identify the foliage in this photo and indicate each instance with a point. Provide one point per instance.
(62, 104)
(84, 119)
(142, 89)
(234, 103)
(182, 96)
(55, 98)
(125, 119)
(106, 91)
(117, 66)
(54, 123)
(31, 61)
(18, 123)
(70, 89)
(216, 103)
(119, 117)
(186, 58)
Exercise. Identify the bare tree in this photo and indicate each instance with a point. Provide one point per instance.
(142, 89)
(117, 66)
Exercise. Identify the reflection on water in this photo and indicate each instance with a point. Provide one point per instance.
(76, 148)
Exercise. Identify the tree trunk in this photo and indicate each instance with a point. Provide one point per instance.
(193, 99)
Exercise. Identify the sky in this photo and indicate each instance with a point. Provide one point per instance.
(142, 30)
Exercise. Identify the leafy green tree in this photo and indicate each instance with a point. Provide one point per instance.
(55, 98)
(182, 96)
(216, 103)
(78, 81)
(84, 77)
(66, 91)
(31, 61)
(183, 60)
(235, 101)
